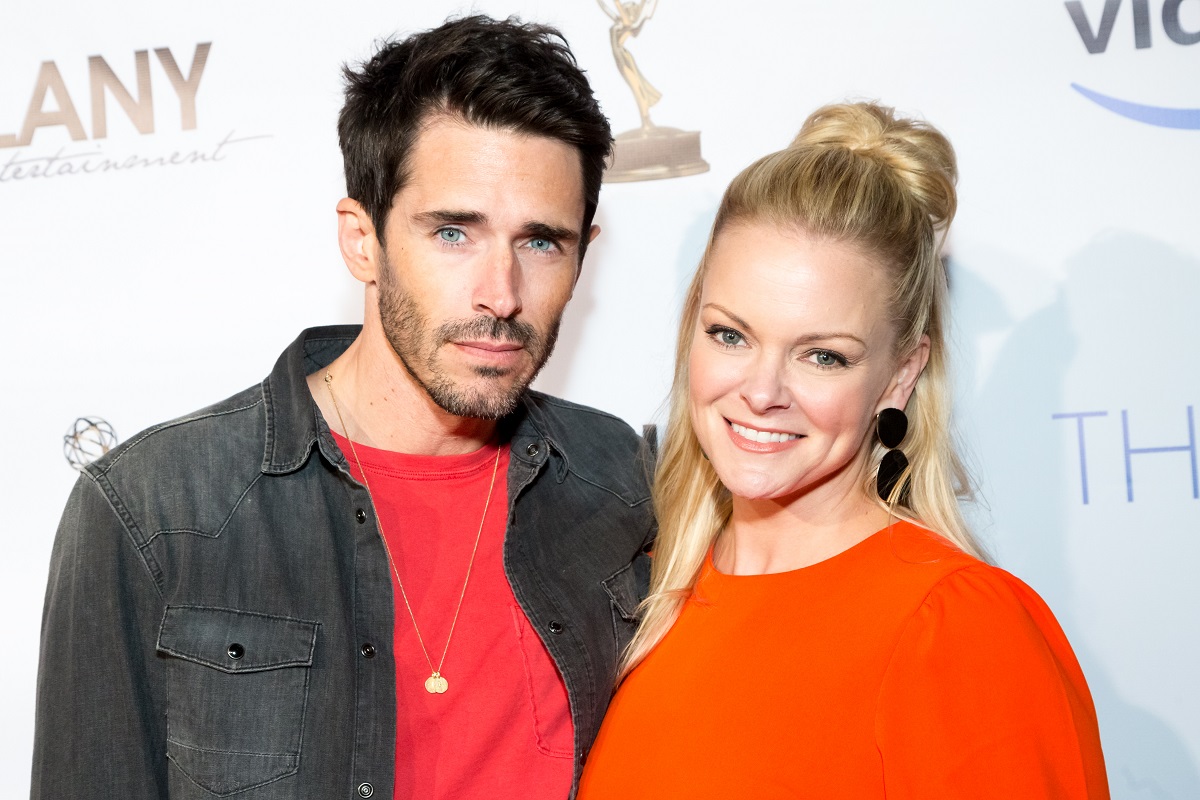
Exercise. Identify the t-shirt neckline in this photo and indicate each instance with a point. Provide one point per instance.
(855, 550)
(420, 467)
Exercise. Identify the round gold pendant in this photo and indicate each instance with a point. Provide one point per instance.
(436, 684)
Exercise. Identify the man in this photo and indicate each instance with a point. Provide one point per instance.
(390, 569)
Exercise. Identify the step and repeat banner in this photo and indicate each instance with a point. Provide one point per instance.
(167, 187)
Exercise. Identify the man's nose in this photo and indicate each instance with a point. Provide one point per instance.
(497, 289)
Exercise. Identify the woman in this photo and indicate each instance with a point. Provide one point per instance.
(821, 622)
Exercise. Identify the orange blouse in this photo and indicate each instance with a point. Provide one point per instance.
(900, 668)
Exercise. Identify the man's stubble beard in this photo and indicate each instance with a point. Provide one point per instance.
(417, 345)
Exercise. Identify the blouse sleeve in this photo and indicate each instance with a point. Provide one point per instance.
(984, 698)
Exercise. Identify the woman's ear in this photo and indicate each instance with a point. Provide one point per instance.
(357, 240)
(905, 378)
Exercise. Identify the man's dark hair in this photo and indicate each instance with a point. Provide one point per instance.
(493, 73)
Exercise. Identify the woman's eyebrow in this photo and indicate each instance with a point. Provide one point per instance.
(741, 323)
(805, 339)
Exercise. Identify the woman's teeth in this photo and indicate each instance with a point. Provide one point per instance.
(762, 436)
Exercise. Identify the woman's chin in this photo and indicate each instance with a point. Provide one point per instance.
(763, 487)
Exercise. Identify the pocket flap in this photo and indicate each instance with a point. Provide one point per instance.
(628, 585)
(236, 641)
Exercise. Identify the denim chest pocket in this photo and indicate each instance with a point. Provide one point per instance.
(237, 688)
(625, 588)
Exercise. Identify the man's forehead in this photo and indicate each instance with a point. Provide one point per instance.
(454, 134)
(456, 166)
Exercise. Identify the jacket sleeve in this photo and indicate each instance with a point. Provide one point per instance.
(100, 729)
(648, 462)
(984, 698)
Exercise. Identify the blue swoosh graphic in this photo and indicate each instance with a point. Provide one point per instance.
(1184, 118)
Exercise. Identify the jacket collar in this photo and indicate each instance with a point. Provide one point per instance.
(294, 425)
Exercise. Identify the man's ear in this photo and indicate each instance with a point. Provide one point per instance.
(357, 240)
(905, 378)
(593, 232)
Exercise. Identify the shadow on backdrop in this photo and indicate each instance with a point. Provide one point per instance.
(1023, 477)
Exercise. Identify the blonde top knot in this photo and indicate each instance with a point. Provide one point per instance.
(915, 152)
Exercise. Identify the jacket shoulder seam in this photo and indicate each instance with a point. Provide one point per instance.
(146, 434)
(220, 528)
(130, 529)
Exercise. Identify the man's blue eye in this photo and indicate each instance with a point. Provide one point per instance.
(545, 245)
(451, 235)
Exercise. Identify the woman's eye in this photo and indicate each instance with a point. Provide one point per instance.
(544, 245)
(451, 235)
(824, 358)
(725, 336)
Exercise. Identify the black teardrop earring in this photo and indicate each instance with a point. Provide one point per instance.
(891, 425)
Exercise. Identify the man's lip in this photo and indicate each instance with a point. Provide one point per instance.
(492, 345)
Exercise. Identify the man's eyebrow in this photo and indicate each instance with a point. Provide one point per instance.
(542, 230)
(532, 229)
(450, 217)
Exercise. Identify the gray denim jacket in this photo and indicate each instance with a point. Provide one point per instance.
(219, 614)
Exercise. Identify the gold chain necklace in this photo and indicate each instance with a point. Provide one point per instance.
(436, 682)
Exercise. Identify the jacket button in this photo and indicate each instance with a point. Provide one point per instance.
(556, 627)
(532, 450)
(236, 651)
(365, 790)
(361, 516)
(368, 650)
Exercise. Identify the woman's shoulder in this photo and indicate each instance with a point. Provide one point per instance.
(952, 586)
(966, 604)
(984, 673)
(983, 683)
(915, 545)
(910, 561)
(959, 582)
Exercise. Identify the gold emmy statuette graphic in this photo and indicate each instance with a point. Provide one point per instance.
(648, 152)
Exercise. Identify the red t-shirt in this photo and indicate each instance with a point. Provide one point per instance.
(503, 728)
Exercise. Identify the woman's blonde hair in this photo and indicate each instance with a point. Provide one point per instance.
(855, 174)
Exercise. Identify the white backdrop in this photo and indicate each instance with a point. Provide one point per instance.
(141, 292)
